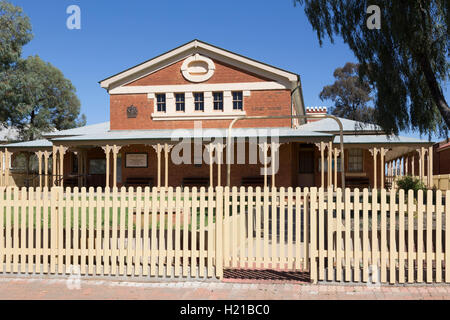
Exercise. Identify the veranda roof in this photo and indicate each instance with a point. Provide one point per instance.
(380, 139)
(90, 129)
(330, 125)
(36, 144)
(120, 135)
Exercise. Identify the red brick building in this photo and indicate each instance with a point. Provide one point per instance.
(192, 94)
(441, 157)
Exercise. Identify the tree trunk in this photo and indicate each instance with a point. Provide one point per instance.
(33, 115)
(435, 89)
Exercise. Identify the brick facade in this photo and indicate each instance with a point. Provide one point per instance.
(172, 75)
(287, 176)
(259, 103)
(441, 160)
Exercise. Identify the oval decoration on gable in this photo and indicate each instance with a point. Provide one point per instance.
(198, 68)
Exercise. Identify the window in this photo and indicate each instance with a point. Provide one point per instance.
(19, 162)
(332, 165)
(179, 102)
(218, 100)
(237, 100)
(199, 101)
(355, 160)
(74, 164)
(97, 166)
(161, 102)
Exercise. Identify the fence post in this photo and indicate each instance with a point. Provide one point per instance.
(53, 229)
(447, 236)
(219, 236)
(60, 229)
(313, 235)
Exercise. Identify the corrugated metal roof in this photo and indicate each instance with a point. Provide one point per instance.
(330, 125)
(30, 144)
(381, 139)
(98, 128)
(191, 133)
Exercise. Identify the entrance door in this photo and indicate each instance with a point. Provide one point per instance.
(306, 166)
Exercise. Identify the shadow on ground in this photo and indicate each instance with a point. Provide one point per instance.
(265, 275)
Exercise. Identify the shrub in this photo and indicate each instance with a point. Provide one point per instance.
(411, 183)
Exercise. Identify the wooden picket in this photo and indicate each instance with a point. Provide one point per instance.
(406, 241)
(335, 235)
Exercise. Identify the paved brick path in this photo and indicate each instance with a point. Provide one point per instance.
(38, 289)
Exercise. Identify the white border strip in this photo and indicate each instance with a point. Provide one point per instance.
(245, 86)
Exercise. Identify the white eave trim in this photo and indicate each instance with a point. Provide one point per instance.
(259, 65)
(246, 86)
(107, 82)
(201, 116)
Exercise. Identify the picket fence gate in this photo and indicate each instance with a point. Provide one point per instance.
(343, 235)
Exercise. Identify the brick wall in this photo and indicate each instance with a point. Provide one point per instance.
(287, 175)
(172, 75)
(178, 172)
(367, 168)
(441, 161)
(259, 103)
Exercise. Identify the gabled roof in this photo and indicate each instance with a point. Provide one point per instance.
(98, 128)
(197, 46)
(330, 125)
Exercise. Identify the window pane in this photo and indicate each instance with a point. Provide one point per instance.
(179, 97)
(161, 102)
(237, 100)
(218, 100)
(199, 101)
(355, 160)
(179, 101)
(97, 166)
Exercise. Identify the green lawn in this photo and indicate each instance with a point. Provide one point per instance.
(95, 217)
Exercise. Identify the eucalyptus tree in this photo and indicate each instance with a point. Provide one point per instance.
(405, 58)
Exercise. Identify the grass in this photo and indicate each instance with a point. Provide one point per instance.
(95, 217)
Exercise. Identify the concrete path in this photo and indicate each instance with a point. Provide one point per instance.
(61, 289)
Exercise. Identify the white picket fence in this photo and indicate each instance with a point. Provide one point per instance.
(341, 236)
(397, 238)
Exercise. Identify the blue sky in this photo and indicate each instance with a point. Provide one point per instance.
(116, 35)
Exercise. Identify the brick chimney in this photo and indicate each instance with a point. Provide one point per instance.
(315, 111)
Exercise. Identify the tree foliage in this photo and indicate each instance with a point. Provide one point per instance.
(349, 94)
(45, 99)
(15, 32)
(406, 61)
(35, 97)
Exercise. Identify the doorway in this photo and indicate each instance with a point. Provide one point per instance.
(306, 165)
